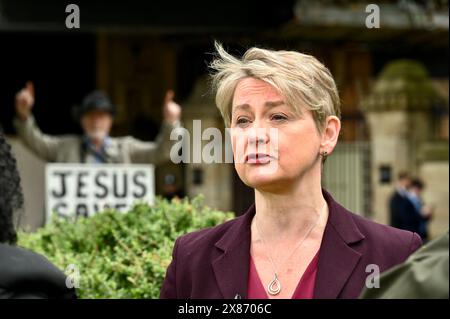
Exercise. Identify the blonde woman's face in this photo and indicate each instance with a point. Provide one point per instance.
(273, 146)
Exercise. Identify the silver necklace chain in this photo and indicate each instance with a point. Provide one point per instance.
(274, 286)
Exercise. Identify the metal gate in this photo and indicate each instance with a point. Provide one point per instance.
(346, 175)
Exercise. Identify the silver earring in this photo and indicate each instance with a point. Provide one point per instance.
(324, 154)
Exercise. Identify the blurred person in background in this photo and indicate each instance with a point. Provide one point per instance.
(171, 189)
(407, 210)
(422, 212)
(23, 273)
(401, 208)
(96, 115)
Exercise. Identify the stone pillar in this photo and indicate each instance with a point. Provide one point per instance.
(399, 114)
(213, 180)
(434, 170)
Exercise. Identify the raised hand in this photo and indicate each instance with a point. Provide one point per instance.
(25, 101)
(171, 110)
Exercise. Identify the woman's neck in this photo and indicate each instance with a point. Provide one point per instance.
(288, 214)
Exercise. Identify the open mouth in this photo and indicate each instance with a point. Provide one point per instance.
(258, 158)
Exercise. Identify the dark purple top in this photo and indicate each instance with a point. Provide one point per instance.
(214, 262)
(304, 290)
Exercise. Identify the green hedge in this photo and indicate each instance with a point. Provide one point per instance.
(122, 255)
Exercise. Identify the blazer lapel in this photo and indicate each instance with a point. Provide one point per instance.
(337, 259)
(232, 266)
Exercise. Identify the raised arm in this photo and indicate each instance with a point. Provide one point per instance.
(44, 146)
(158, 152)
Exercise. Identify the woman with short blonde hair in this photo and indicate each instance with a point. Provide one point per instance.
(301, 77)
(283, 109)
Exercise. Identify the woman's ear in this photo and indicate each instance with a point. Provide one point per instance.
(330, 134)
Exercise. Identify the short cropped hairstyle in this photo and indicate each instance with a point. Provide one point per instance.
(300, 78)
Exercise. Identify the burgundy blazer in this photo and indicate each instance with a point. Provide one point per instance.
(214, 262)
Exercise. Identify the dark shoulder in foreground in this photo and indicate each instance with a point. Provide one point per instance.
(25, 274)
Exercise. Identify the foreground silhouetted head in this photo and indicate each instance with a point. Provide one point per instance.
(11, 197)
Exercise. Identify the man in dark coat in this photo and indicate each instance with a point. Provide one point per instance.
(402, 211)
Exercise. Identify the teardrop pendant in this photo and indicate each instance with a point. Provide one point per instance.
(274, 286)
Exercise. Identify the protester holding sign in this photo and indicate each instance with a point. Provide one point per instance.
(96, 115)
